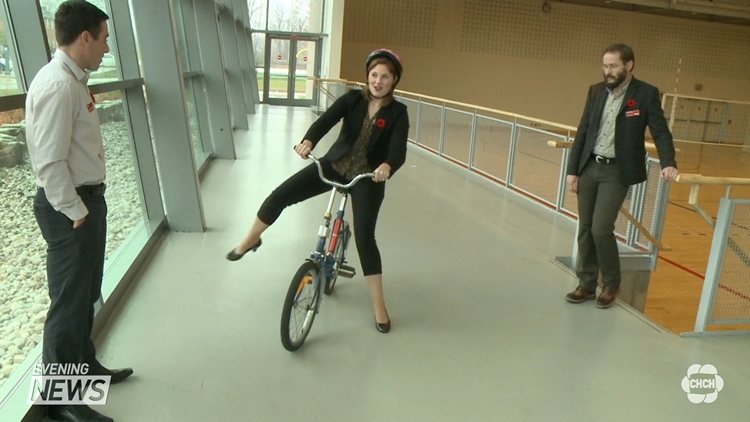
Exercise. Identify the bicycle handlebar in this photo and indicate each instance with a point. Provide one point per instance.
(347, 186)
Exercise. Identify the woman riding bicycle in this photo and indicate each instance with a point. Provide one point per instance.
(372, 139)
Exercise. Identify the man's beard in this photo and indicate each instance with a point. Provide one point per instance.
(619, 79)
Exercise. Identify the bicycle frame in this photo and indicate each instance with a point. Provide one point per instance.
(324, 255)
(325, 264)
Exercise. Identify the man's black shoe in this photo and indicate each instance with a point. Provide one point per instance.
(117, 375)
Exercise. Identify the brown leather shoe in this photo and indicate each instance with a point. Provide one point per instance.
(580, 295)
(607, 297)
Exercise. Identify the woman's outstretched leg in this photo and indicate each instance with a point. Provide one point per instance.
(252, 240)
(302, 185)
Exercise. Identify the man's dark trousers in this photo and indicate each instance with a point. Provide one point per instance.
(75, 267)
(600, 196)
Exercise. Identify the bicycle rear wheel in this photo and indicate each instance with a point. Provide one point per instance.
(339, 256)
(300, 306)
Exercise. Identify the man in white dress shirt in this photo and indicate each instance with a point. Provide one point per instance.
(67, 156)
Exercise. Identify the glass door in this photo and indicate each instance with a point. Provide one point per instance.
(305, 61)
(289, 61)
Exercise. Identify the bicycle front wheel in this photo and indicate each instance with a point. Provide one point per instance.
(300, 306)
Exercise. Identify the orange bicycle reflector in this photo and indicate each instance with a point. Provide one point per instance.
(306, 280)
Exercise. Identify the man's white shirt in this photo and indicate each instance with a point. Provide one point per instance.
(63, 134)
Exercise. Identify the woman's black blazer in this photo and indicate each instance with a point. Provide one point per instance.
(389, 133)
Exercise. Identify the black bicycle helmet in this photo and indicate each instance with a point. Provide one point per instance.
(390, 55)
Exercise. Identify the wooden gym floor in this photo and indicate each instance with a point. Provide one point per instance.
(677, 283)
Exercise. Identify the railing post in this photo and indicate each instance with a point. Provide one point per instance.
(562, 184)
(441, 145)
(473, 140)
(715, 263)
(419, 120)
(512, 151)
(574, 253)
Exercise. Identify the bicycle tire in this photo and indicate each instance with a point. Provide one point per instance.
(339, 256)
(301, 301)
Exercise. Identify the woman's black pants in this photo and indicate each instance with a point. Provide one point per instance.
(366, 198)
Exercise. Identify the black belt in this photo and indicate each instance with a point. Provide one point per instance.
(603, 160)
(91, 189)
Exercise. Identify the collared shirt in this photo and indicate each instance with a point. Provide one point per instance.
(63, 134)
(605, 139)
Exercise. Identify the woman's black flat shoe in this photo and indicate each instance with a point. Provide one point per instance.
(384, 327)
(234, 256)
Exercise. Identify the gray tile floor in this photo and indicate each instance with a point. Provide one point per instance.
(481, 331)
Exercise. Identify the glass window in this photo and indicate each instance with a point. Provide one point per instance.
(181, 39)
(9, 81)
(295, 15)
(23, 306)
(304, 68)
(258, 12)
(279, 68)
(23, 298)
(109, 70)
(259, 49)
(125, 211)
(195, 131)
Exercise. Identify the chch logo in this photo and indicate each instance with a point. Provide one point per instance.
(702, 383)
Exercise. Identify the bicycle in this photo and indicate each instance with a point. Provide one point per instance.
(321, 270)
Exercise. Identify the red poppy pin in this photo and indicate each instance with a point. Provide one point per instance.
(381, 123)
(631, 103)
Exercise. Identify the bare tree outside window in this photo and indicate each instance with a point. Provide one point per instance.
(257, 9)
(289, 15)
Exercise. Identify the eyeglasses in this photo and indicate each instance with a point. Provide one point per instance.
(610, 66)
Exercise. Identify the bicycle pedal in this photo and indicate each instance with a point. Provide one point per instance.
(347, 271)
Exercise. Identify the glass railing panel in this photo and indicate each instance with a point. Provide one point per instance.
(457, 137)
(492, 150)
(536, 166)
(429, 126)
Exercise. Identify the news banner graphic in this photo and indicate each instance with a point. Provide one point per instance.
(702, 383)
(67, 384)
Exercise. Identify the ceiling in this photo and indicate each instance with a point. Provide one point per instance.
(736, 12)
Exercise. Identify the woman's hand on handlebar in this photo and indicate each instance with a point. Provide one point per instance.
(382, 173)
(304, 148)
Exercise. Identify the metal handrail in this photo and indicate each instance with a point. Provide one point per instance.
(699, 179)
(650, 146)
(466, 105)
(696, 180)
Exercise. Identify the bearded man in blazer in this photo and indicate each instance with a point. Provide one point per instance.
(607, 157)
